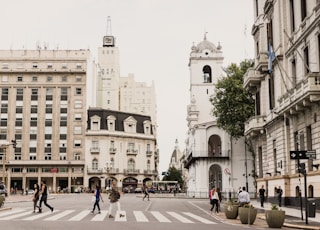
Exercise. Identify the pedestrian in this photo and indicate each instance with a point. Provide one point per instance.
(98, 197)
(243, 197)
(214, 199)
(279, 191)
(146, 193)
(220, 198)
(36, 196)
(44, 196)
(261, 194)
(239, 190)
(114, 199)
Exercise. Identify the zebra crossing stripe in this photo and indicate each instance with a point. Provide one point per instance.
(199, 218)
(60, 215)
(12, 211)
(100, 217)
(180, 218)
(16, 216)
(38, 215)
(123, 217)
(140, 217)
(160, 217)
(80, 216)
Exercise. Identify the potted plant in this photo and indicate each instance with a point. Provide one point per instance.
(247, 214)
(231, 209)
(275, 217)
(2, 198)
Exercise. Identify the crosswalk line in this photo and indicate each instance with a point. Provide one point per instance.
(199, 218)
(80, 216)
(180, 218)
(60, 215)
(140, 217)
(18, 215)
(12, 211)
(100, 217)
(38, 215)
(160, 217)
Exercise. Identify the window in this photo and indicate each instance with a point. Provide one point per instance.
(34, 65)
(49, 65)
(78, 91)
(292, 24)
(303, 9)
(77, 130)
(49, 78)
(20, 78)
(33, 156)
(62, 156)
(34, 78)
(47, 156)
(4, 108)
(95, 164)
(77, 143)
(78, 104)
(48, 108)
(78, 116)
(64, 78)
(306, 60)
(19, 96)
(294, 72)
(5, 66)
(64, 65)
(148, 165)
(78, 65)
(19, 109)
(112, 163)
(77, 156)
(78, 79)
(271, 91)
(34, 109)
(131, 165)
(49, 94)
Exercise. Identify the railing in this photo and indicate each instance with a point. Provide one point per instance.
(131, 171)
(112, 150)
(95, 150)
(148, 153)
(132, 152)
(112, 170)
(95, 171)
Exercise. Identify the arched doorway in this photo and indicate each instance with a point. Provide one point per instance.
(93, 181)
(215, 177)
(129, 184)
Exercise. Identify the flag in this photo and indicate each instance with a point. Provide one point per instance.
(271, 57)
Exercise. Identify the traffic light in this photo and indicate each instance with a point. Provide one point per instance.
(14, 143)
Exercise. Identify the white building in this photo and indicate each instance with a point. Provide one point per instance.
(287, 96)
(120, 147)
(212, 159)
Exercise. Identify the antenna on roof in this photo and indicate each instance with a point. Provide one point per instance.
(109, 29)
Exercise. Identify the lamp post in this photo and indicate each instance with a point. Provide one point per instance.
(4, 147)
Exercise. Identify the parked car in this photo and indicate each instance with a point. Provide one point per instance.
(30, 192)
(137, 190)
(3, 190)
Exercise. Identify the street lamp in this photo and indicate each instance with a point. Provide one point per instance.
(4, 147)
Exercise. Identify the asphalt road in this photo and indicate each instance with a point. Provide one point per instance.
(73, 211)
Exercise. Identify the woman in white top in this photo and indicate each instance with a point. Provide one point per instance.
(214, 200)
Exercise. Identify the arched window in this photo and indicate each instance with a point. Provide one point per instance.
(131, 165)
(214, 146)
(94, 164)
(148, 165)
(297, 191)
(207, 78)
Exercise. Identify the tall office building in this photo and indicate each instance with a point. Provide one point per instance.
(43, 108)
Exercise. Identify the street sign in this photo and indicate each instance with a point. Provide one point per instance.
(311, 154)
(296, 155)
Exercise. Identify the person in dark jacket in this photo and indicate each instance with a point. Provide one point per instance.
(44, 196)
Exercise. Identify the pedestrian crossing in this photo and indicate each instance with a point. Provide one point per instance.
(21, 214)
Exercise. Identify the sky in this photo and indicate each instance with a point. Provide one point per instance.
(154, 38)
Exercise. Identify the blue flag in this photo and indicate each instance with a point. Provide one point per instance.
(271, 57)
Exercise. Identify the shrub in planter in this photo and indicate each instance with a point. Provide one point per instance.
(2, 198)
(231, 209)
(247, 214)
(275, 217)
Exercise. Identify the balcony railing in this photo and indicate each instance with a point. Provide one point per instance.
(95, 171)
(112, 170)
(306, 90)
(132, 152)
(131, 171)
(149, 153)
(255, 124)
(112, 150)
(150, 172)
(252, 78)
(95, 150)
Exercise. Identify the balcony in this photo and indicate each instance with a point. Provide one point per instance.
(112, 170)
(255, 125)
(150, 172)
(95, 150)
(304, 93)
(112, 150)
(261, 62)
(95, 171)
(131, 171)
(252, 79)
(149, 153)
(132, 152)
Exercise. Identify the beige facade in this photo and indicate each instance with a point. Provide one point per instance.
(287, 95)
(43, 108)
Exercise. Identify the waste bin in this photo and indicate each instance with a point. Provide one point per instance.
(312, 208)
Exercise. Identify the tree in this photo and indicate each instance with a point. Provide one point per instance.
(174, 174)
(233, 105)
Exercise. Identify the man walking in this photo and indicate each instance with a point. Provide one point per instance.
(243, 197)
(146, 193)
(262, 195)
(279, 191)
(114, 199)
(44, 196)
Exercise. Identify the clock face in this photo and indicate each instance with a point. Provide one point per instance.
(108, 41)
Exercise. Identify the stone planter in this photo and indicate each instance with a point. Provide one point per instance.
(275, 218)
(231, 210)
(247, 215)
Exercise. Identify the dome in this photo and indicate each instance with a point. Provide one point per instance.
(205, 44)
